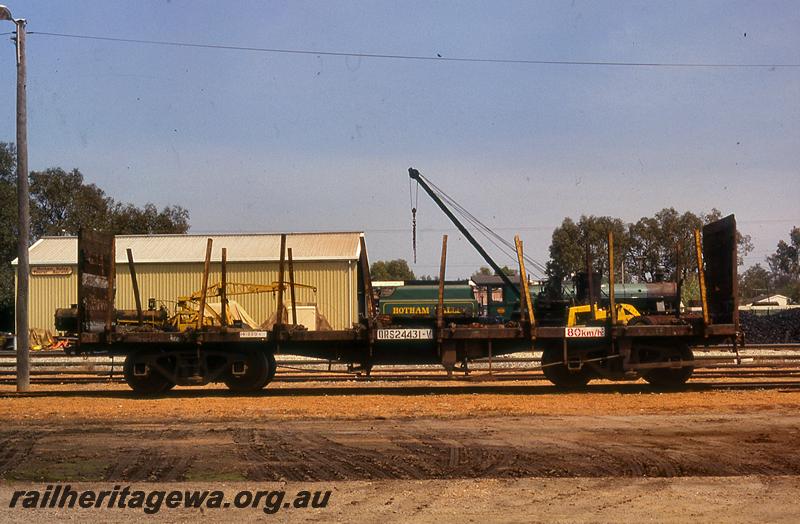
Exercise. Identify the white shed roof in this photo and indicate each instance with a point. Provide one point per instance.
(250, 247)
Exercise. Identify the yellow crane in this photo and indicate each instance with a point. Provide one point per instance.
(187, 310)
(582, 315)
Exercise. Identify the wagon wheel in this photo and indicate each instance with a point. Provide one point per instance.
(250, 374)
(556, 372)
(672, 377)
(144, 378)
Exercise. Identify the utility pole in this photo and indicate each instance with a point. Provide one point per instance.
(23, 206)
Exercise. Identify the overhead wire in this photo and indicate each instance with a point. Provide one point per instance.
(437, 58)
(509, 249)
(502, 244)
(493, 237)
(505, 246)
(478, 225)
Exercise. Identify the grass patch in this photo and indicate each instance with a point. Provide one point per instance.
(214, 476)
(74, 470)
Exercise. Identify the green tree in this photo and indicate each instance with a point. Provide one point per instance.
(570, 240)
(507, 271)
(657, 241)
(485, 271)
(482, 271)
(690, 290)
(61, 204)
(648, 248)
(755, 281)
(391, 270)
(129, 219)
(785, 260)
(8, 234)
(784, 266)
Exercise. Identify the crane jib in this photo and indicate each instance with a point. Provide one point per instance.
(415, 175)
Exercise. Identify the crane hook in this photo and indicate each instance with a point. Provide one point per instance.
(414, 201)
(414, 232)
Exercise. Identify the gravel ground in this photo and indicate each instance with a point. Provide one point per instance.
(424, 452)
(353, 400)
(608, 499)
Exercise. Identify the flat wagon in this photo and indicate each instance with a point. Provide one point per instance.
(159, 356)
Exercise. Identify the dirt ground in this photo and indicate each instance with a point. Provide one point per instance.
(512, 452)
(357, 400)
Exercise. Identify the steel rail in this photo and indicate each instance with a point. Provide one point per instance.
(773, 360)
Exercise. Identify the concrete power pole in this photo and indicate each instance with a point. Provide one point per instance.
(23, 203)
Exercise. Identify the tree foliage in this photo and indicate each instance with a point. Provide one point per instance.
(391, 270)
(8, 234)
(784, 263)
(485, 271)
(571, 241)
(753, 282)
(127, 219)
(482, 271)
(649, 248)
(783, 276)
(664, 242)
(61, 204)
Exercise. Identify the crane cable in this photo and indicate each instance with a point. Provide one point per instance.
(414, 203)
(470, 219)
(502, 244)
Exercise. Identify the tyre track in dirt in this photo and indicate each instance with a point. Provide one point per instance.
(15, 448)
(150, 460)
(405, 452)
(418, 449)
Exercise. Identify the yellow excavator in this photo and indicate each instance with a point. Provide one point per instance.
(188, 307)
(582, 315)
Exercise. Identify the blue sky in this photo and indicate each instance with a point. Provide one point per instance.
(253, 141)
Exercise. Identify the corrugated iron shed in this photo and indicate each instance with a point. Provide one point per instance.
(249, 247)
(169, 266)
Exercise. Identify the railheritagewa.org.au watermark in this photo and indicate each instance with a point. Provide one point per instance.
(64, 496)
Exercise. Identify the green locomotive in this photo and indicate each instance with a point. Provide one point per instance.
(415, 302)
(487, 299)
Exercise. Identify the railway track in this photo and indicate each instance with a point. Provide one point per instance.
(778, 363)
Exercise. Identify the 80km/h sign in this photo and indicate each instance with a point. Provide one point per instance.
(584, 332)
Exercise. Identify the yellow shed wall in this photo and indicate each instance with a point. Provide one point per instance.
(336, 282)
(47, 293)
